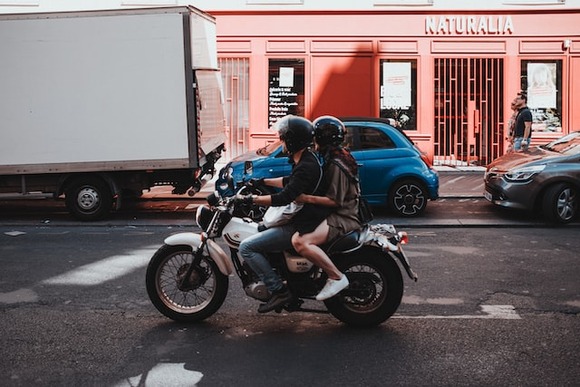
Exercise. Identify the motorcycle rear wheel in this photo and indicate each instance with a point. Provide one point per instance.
(375, 290)
(202, 295)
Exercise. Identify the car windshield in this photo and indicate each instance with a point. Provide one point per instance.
(568, 145)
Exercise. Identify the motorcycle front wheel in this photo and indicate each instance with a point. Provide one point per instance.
(194, 299)
(375, 290)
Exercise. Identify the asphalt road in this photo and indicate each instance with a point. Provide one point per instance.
(492, 307)
(157, 211)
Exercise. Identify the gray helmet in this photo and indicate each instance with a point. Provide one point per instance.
(329, 130)
(296, 132)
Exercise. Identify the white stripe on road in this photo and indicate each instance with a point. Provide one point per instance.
(104, 270)
(18, 296)
(497, 312)
(164, 375)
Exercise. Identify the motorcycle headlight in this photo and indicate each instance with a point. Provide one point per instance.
(225, 182)
(248, 168)
(203, 216)
(523, 174)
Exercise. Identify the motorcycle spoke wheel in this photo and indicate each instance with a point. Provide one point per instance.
(366, 291)
(375, 290)
(185, 299)
(197, 292)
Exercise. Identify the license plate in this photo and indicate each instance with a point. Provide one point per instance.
(488, 196)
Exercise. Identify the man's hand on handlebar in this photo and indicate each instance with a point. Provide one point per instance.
(256, 183)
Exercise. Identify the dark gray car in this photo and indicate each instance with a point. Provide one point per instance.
(543, 179)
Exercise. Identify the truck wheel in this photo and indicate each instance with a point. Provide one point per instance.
(89, 199)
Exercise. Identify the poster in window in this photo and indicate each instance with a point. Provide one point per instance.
(286, 89)
(396, 91)
(542, 85)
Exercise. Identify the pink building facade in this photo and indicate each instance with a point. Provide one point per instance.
(449, 76)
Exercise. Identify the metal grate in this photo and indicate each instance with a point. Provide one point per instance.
(236, 83)
(469, 117)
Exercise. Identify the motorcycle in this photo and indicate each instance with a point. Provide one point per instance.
(187, 278)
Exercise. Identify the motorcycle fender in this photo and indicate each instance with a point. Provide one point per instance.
(405, 262)
(215, 251)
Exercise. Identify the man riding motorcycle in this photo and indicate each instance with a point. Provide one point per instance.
(297, 134)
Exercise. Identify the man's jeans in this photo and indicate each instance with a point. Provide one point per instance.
(253, 249)
(521, 144)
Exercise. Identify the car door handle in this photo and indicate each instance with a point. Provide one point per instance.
(359, 164)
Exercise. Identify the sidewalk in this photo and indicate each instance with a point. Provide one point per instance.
(463, 183)
(453, 182)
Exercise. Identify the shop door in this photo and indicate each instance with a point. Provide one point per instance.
(469, 116)
(235, 78)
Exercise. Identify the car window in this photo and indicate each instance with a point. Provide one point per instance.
(372, 138)
(349, 137)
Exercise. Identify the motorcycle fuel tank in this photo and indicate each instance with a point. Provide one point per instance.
(237, 230)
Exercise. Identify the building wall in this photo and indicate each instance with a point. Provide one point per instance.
(17, 6)
(341, 48)
(343, 52)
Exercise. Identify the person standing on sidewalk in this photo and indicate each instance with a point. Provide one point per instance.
(523, 128)
(512, 125)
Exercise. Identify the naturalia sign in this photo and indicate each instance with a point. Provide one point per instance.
(469, 25)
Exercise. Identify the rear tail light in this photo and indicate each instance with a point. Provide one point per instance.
(426, 160)
(424, 157)
(403, 237)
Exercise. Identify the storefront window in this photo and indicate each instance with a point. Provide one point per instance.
(542, 79)
(399, 91)
(286, 88)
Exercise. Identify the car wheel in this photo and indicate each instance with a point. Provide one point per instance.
(407, 198)
(560, 203)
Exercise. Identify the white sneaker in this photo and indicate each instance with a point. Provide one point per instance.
(332, 288)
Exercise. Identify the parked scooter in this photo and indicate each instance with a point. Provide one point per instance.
(187, 278)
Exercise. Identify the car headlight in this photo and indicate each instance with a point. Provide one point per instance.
(523, 174)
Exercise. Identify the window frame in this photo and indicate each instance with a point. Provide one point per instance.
(300, 98)
(398, 113)
(541, 115)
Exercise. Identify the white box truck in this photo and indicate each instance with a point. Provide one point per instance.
(97, 105)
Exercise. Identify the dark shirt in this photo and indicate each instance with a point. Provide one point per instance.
(305, 178)
(524, 115)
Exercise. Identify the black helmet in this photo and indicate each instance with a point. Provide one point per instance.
(328, 130)
(296, 132)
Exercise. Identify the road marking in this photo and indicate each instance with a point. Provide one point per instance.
(15, 233)
(17, 296)
(104, 270)
(164, 375)
(496, 312)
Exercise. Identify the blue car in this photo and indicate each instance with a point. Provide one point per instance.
(393, 172)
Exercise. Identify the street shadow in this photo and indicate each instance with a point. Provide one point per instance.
(274, 349)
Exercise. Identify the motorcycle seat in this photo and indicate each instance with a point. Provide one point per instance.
(346, 243)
